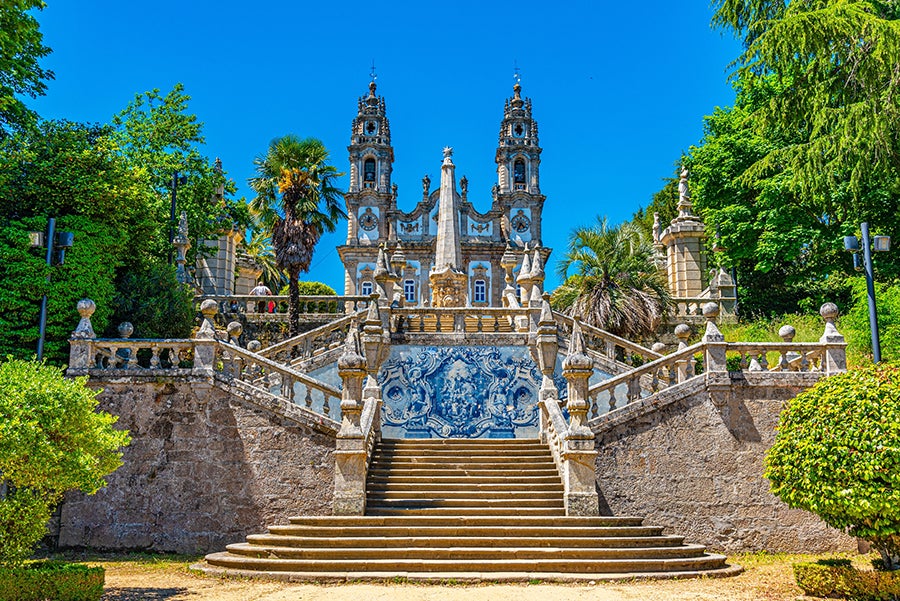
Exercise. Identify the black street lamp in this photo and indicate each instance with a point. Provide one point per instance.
(878, 244)
(56, 241)
(177, 180)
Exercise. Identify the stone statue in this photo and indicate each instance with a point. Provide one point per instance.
(656, 228)
(426, 185)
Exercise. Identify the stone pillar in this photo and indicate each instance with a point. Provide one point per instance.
(546, 347)
(375, 340)
(579, 476)
(684, 240)
(683, 332)
(835, 354)
(524, 279)
(205, 340)
(718, 383)
(79, 344)
(350, 447)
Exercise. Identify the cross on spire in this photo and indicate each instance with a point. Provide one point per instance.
(517, 75)
(372, 73)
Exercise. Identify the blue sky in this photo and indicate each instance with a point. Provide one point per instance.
(619, 88)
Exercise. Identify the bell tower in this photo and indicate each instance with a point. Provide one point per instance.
(518, 190)
(371, 153)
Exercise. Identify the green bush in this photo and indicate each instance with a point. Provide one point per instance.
(150, 298)
(52, 439)
(831, 579)
(310, 289)
(837, 454)
(40, 581)
(855, 323)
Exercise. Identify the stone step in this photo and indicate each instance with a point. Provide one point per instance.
(377, 471)
(600, 566)
(604, 525)
(377, 510)
(496, 463)
(374, 541)
(464, 553)
(437, 480)
(462, 453)
(389, 485)
(375, 495)
(430, 502)
(461, 442)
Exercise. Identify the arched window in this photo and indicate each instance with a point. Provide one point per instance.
(519, 174)
(369, 173)
(366, 288)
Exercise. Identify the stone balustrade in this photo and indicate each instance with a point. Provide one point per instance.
(600, 342)
(686, 307)
(249, 305)
(309, 344)
(109, 355)
(431, 320)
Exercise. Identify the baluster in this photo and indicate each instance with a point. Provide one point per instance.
(654, 381)
(595, 405)
(326, 408)
(671, 375)
(745, 363)
(421, 323)
(610, 350)
(496, 323)
(308, 399)
(691, 365)
(437, 322)
(632, 393)
(629, 359)
(783, 363)
(763, 361)
(804, 360)
(612, 398)
(480, 327)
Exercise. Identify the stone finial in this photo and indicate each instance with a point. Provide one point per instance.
(448, 153)
(85, 331)
(711, 312)
(508, 262)
(525, 270)
(381, 265)
(234, 329)
(208, 309)
(254, 346)
(787, 333)
(398, 259)
(352, 358)
(829, 313)
(125, 329)
(658, 347)
(683, 333)
(537, 267)
(546, 317)
(576, 357)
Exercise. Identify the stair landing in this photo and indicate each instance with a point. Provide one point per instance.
(465, 510)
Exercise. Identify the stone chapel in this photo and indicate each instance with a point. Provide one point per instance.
(443, 252)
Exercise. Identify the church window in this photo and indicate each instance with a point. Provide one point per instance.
(519, 174)
(480, 295)
(366, 288)
(369, 173)
(409, 290)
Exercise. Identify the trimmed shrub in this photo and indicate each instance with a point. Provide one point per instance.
(44, 580)
(841, 580)
(837, 454)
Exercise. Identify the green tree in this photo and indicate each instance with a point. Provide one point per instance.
(837, 454)
(616, 284)
(295, 186)
(21, 48)
(664, 202)
(836, 65)
(259, 250)
(52, 439)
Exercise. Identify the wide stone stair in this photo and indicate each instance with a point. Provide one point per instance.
(465, 510)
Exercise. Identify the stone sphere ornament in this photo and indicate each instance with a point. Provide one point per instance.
(125, 329)
(683, 331)
(209, 307)
(711, 310)
(86, 308)
(254, 346)
(234, 329)
(787, 333)
(829, 312)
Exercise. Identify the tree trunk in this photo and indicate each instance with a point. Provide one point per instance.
(294, 305)
(889, 549)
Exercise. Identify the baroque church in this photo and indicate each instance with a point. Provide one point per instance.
(443, 252)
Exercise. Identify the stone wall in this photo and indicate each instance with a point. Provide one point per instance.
(695, 467)
(204, 469)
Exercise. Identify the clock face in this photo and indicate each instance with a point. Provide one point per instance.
(371, 128)
(520, 222)
(368, 220)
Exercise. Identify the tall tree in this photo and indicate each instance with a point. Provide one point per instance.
(21, 48)
(836, 64)
(616, 284)
(295, 187)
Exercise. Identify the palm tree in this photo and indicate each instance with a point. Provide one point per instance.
(259, 250)
(297, 201)
(616, 285)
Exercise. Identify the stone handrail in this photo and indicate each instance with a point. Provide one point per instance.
(459, 319)
(607, 343)
(330, 335)
(554, 431)
(370, 424)
(659, 374)
(309, 304)
(789, 356)
(264, 373)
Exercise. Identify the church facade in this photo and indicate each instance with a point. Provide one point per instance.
(461, 258)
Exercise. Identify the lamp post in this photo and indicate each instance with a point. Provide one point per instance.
(879, 244)
(177, 180)
(56, 241)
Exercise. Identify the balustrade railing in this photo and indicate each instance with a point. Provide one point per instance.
(693, 306)
(774, 356)
(420, 320)
(609, 345)
(554, 429)
(306, 345)
(258, 306)
(135, 353)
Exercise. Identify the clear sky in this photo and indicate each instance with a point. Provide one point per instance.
(619, 88)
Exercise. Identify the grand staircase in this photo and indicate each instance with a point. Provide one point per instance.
(465, 510)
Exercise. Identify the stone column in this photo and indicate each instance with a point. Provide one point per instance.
(683, 332)
(546, 347)
(835, 354)
(350, 448)
(718, 383)
(579, 476)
